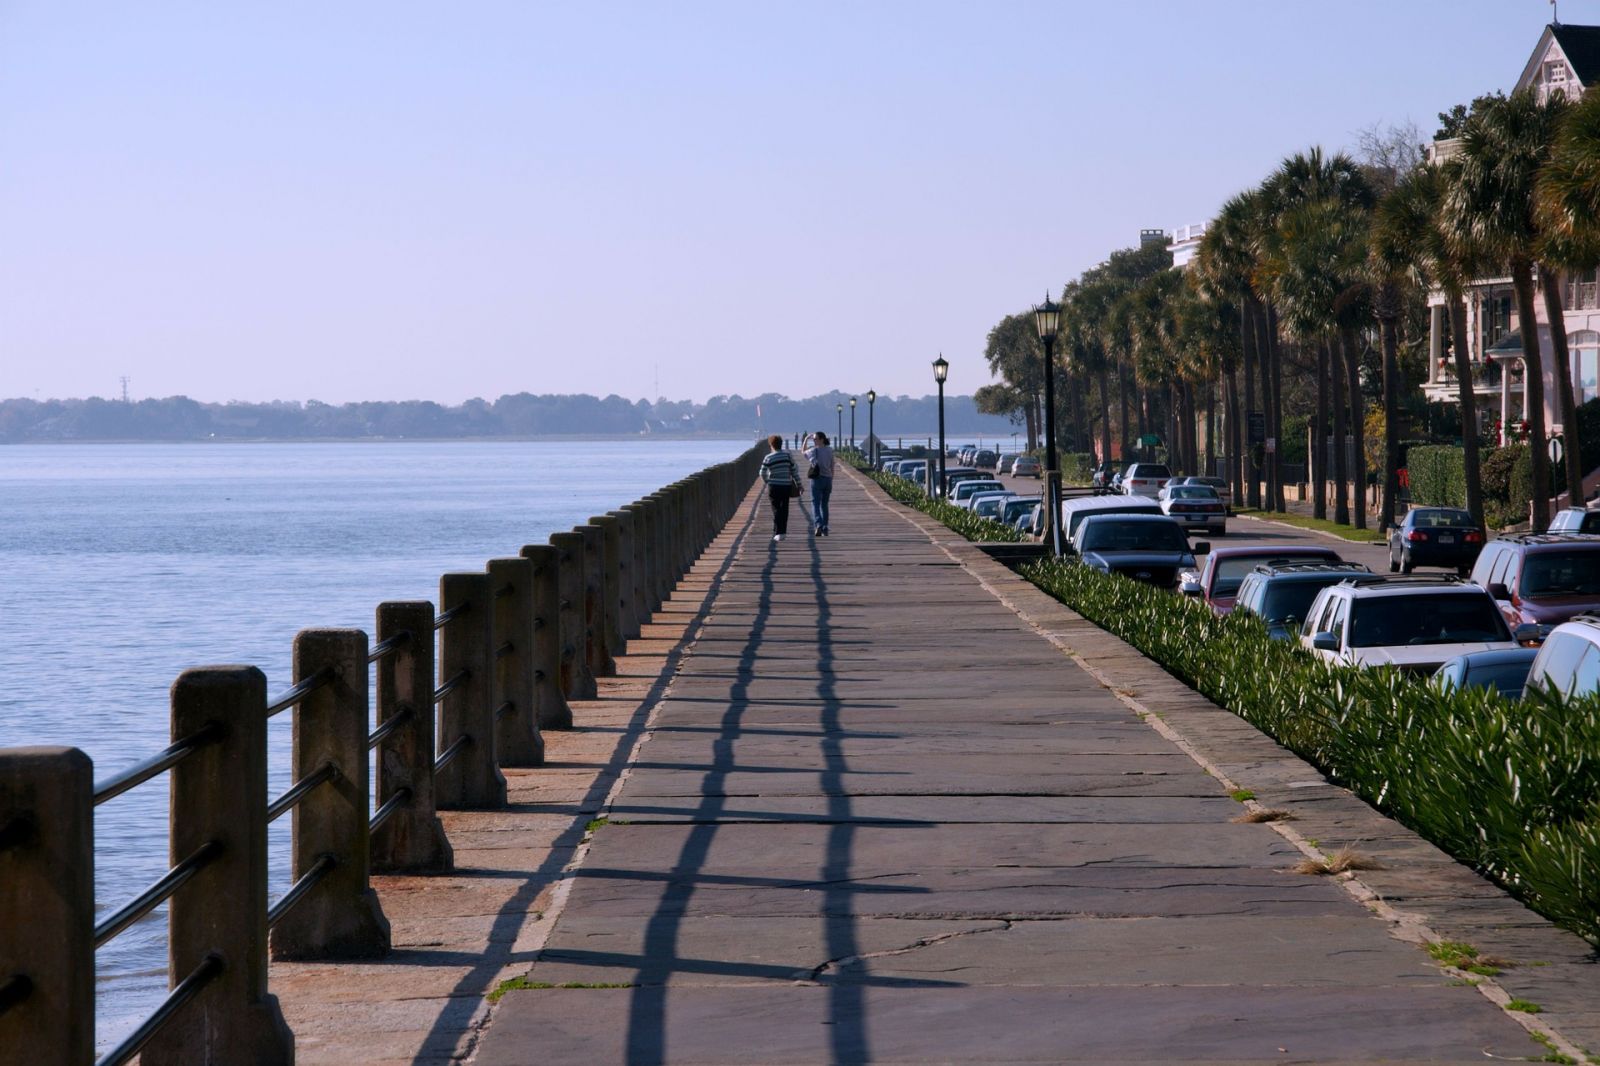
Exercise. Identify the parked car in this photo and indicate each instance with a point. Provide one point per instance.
(963, 491)
(1151, 548)
(954, 475)
(1575, 520)
(1543, 578)
(1224, 490)
(1281, 594)
(1102, 476)
(1026, 466)
(1006, 459)
(1226, 568)
(1017, 508)
(1073, 512)
(1195, 507)
(1435, 536)
(1504, 671)
(984, 459)
(1568, 662)
(1145, 479)
(1414, 623)
(988, 504)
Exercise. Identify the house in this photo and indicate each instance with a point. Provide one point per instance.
(1565, 61)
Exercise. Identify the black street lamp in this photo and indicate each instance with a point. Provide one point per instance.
(1047, 318)
(941, 370)
(852, 423)
(872, 438)
(839, 410)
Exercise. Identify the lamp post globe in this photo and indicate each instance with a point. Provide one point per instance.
(838, 409)
(1047, 319)
(872, 437)
(941, 370)
(852, 423)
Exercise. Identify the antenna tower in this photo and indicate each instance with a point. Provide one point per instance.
(125, 379)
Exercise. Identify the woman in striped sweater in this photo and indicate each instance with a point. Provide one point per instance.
(782, 477)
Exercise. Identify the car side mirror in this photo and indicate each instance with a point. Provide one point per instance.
(1189, 588)
(1499, 591)
(1201, 547)
(1325, 641)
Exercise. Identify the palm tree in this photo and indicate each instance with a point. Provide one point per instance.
(1488, 211)
(1567, 210)
(1226, 262)
(1410, 251)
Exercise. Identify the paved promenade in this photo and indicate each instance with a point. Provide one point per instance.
(896, 805)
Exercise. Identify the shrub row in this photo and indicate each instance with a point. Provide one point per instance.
(1512, 789)
(1438, 475)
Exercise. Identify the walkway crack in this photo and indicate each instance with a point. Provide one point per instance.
(815, 974)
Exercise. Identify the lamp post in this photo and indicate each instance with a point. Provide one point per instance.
(839, 410)
(941, 370)
(1047, 318)
(872, 438)
(852, 423)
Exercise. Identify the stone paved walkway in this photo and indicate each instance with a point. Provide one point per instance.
(883, 815)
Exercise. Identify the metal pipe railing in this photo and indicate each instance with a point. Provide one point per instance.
(157, 894)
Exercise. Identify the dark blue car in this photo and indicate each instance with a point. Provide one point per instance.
(1151, 548)
(1435, 536)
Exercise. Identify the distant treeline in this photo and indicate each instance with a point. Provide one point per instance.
(178, 418)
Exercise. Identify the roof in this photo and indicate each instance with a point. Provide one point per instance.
(1311, 569)
(1581, 45)
(1398, 586)
(1534, 540)
(1269, 553)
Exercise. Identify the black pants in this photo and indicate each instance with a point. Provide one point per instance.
(779, 495)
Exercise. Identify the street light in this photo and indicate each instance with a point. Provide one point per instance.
(941, 370)
(852, 423)
(872, 438)
(839, 410)
(1047, 318)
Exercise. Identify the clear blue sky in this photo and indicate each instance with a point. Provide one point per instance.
(399, 200)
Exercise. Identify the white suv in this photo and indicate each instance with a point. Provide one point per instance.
(1412, 623)
(1568, 663)
(1145, 479)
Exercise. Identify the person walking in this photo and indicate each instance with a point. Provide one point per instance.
(782, 478)
(820, 473)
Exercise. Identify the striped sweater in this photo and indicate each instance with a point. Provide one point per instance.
(778, 469)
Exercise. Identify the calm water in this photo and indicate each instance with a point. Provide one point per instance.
(124, 564)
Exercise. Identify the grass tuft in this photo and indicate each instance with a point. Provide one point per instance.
(1272, 814)
(1242, 794)
(1525, 1006)
(595, 823)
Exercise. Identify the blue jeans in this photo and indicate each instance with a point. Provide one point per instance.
(821, 489)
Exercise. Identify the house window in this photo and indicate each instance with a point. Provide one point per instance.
(1496, 319)
(1555, 72)
(1584, 345)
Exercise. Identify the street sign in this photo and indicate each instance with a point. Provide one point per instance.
(1258, 427)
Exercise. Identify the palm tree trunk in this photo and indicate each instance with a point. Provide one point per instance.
(1533, 391)
(1472, 460)
(1557, 315)
(1358, 427)
(1389, 338)
(1341, 468)
(1211, 427)
(1122, 409)
(1265, 352)
(1230, 405)
(1319, 426)
(1248, 329)
(1105, 412)
(1279, 501)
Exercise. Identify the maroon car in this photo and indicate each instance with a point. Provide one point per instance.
(1225, 569)
(1541, 578)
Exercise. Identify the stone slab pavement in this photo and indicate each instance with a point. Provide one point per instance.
(899, 806)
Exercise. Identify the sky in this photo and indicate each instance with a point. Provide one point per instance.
(392, 200)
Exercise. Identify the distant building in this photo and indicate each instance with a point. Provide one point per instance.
(1565, 61)
(1157, 237)
(1186, 243)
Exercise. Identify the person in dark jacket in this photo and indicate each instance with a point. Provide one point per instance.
(781, 477)
(820, 455)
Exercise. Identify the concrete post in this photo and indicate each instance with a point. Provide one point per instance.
(647, 558)
(46, 906)
(596, 642)
(219, 794)
(470, 777)
(340, 917)
(613, 586)
(553, 711)
(413, 837)
(628, 566)
(515, 647)
(660, 569)
(577, 681)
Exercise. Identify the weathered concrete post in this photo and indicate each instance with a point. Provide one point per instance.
(614, 586)
(577, 681)
(628, 579)
(660, 553)
(339, 917)
(218, 919)
(601, 663)
(544, 561)
(46, 906)
(515, 643)
(649, 560)
(412, 838)
(466, 773)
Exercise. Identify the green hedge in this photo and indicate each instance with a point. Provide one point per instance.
(1511, 788)
(1077, 468)
(1507, 484)
(959, 519)
(1438, 475)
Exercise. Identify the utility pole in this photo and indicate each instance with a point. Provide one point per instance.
(125, 379)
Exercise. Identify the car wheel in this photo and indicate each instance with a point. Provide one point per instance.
(1405, 563)
(1394, 564)
(1222, 531)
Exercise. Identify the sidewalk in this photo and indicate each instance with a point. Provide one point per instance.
(891, 809)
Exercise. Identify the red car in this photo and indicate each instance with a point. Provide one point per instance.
(1225, 569)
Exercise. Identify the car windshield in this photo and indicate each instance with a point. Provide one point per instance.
(1434, 519)
(972, 488)
(1191, 492)
(1559, 573)
(1102, 535)
(1509, 678)
(1442, 618)
(1231, 571)
(1151, 470)
(1287, 602)
(1019, 507)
